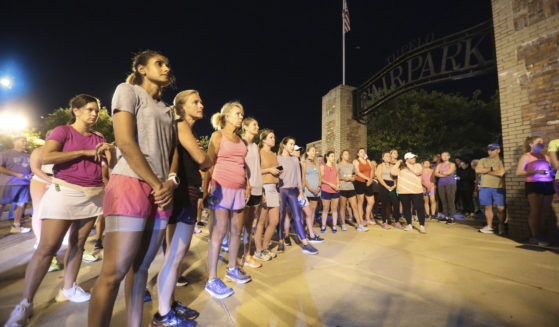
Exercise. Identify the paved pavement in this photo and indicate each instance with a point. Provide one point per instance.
(452, 276)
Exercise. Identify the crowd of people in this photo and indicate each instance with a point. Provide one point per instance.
(146, 191)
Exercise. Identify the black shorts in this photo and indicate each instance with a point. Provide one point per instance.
(254, 200)
(362, 188)
(347, 193)
(313, 198)
(185, 205)
(545, 188)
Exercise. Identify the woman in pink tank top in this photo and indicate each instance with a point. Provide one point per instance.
(226, 187)
(536, 168)
(330, 191)
(428, 181)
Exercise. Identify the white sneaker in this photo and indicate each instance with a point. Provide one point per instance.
(197, 230)
(422, 229)
(75, 294)
(408, 228)
(362, 228)
(344, 227)
(20, 316)
(487, 230)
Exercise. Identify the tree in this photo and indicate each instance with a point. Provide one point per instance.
(63, 116)
(426, 123)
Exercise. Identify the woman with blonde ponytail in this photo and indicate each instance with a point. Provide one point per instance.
(225, 184)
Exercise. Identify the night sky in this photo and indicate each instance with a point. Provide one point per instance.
(277, 57)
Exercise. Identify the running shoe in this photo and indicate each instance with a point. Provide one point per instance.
(74, 294)
(344, 227)
(334, 230)
(147, 296)
(450, 221)
(237, 275)
(281, 248)
(197, 230)
(171, 319)
(323, 229)
(287, 241)
(88, 257)
(201, 224)
(371, 222)
(21, 314)
(362, 228)
(487, 230)
(386, 226)
(249, 261)
(271, 254)
(19, 229)
(262, 256)
(54, 266)
(398, 225)
(218, 289)
(225, 248)
(538, 241)
(316, 239)
(98, 244)
(309, 249)
(408, 228)
(422, 230)
(184, 311)
(182, 281)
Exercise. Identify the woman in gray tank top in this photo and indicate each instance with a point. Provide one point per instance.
(346, 173)
(311, 183)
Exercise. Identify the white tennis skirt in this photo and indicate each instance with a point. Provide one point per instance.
(65, 203)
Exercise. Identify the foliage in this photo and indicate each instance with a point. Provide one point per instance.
(204, 141)
(427, 123)
(33, 140)
(62, 116)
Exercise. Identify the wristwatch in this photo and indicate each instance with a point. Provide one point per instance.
(173, 177)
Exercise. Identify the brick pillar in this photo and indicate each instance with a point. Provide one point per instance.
(339, 130)
(527, 45)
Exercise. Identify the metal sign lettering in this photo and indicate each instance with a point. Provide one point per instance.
(461, 55)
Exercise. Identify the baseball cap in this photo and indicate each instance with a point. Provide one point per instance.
(297, 148)
(493, 146)
(409, 155)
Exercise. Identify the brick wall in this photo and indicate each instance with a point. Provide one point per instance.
(527, 48)
(339, 130)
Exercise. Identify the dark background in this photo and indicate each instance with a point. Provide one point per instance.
(277, 57)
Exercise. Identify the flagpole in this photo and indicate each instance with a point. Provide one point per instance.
(343, 44)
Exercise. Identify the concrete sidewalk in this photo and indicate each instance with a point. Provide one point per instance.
(452, 276)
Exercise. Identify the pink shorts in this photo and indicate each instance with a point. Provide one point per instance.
(129, 196)
(227, 198)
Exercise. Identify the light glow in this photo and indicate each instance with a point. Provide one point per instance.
(12, 123)
(6, 82)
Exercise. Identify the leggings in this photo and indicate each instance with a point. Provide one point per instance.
(447, 193)
(418, 205)
(389, 198)
(288, 196)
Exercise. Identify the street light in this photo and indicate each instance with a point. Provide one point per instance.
(12, 123)
(6, 82)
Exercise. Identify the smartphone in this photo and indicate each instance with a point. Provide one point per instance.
(279, 167)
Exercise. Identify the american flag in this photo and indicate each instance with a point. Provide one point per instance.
(345, 17)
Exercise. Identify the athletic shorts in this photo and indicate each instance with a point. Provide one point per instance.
(362, 188)
(185, 205)
(254, 201)
(329, 196)
(272, 195)
(490, 195)
(131, 197)
(227, 198)
(313, 198)
(545, 188)
(18, 194)
(347, 193)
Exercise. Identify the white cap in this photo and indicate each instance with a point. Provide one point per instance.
(409, 155)
(297, 148)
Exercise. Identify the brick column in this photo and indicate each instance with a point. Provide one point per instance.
(339, 130)
(527, 45)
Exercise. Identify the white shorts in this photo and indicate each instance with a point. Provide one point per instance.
(272, 195)
(65, 203)
(133, 224)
